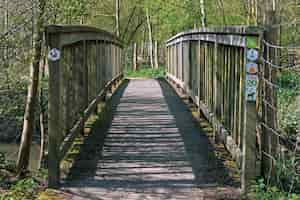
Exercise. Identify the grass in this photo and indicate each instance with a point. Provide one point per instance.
(146, 72)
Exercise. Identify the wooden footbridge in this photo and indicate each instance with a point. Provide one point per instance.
(153, 147)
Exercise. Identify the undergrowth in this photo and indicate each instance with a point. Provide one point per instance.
(13, 188)
(146, 72)
(284, 183)
(288, 107)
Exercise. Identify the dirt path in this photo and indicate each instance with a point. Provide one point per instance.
(152, 150)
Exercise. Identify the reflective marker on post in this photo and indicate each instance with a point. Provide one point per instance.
(252, 55)
(54, 55)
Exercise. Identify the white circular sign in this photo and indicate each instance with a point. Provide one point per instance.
(252, 55)
(54, 54)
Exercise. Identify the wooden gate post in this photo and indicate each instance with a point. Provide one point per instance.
(54, 117)
(250, 166)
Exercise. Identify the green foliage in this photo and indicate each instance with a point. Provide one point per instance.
(261, 191)
(284, 184)
(71, 11)
(24, 189)
(289, 109)
(264, 192)
(147, 72)
(287, 175)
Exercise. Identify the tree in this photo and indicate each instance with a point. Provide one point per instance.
(252, 12)
(29, 116)
(203, 15)
(118, 18)
(150, 37)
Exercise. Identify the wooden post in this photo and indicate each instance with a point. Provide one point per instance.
(215, 86)
(85, 80)
(54, 116)
(250, 168)
(269, 113)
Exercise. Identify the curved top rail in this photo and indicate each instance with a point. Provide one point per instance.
(228, 30)
(75, 33)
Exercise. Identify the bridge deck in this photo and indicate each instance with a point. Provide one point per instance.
(152, 150)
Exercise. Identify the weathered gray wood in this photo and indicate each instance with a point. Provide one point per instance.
(54, 117)
(77, 84)
(144, 152)
(221, 82)
(71, 34)
(75, 130)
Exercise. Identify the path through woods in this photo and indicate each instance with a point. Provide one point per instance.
(152, 150)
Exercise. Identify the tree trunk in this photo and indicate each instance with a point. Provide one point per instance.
(221, 6)
(42, 115)
(6, 27)
(150, 38)
(143, 45)
(156, 54)
(142, 50)
(252, 12)
(29, 118)
(118, 18)
(203, 15)
(135, 63)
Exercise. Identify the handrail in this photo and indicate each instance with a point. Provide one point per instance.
(209, 65)
(68, 141)
(233, 36)
(84, 62)
(68, 30)
(228, 30)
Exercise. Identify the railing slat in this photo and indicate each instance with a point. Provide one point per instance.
(87, 68)
(218, 86)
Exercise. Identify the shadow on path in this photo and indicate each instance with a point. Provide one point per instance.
(152, 150)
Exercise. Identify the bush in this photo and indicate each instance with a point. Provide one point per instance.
(261, 191)
(24, 189)
(284, 184)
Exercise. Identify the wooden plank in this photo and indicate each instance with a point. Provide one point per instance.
(103, 64)
(71, 34)
(85, 75)
(215, 87)
(233, 36)
(54, 117)
(219, 82)
(236, 98)
(250, 167)
(73, 83)
(73, 133)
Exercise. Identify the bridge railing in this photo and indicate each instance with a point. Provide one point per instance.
(210, 65)
(84, 63)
